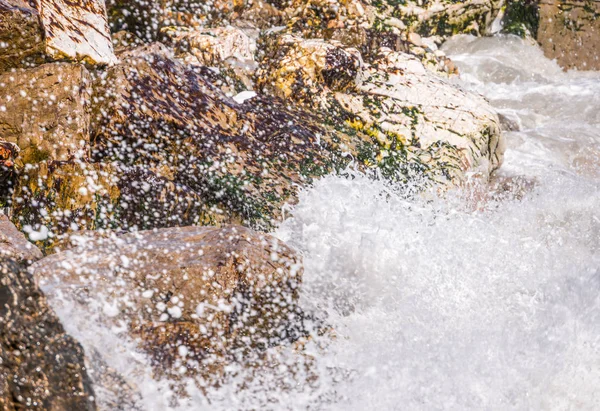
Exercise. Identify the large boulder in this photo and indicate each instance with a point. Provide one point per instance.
(412, 116)
(54, 29)
(41, 367)
(44, 110)
(155, 145)
(195, 294)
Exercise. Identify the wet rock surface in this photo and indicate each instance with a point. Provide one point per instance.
(198, 117)
(41, 366)
(207, 158)
(567, 31)
(170, 136)
(413, 119)
(206, 292)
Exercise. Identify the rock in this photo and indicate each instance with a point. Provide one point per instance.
(55, 29)
(211, 290)
(412, 116)
(227, 49)
(78, 31)
(204, 158)
(51, 198)
(367, 27)
(13, 243)
(21, 35)
(569, 33)
(41, 366)
(163, 138)
(415, 39)
(521, 18)
(326, 19)
(44, 110)
(212, 46)
(446, 19)
(260, 14)
(566, 31)
(145, 19)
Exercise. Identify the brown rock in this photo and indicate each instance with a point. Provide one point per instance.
(570, 33)
(41, 367)
(13, 243)
(214, 291)
(20, 33)
(44, 111)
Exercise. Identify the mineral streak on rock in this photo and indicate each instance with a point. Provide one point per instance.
(78, 31)
(54, 29)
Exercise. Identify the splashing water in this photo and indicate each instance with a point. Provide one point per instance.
(432, 304)
(439, 307)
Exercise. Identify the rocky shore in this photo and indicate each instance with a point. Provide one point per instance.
(147, 151)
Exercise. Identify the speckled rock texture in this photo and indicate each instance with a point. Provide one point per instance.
(205, 158)
(41, 367)
(46, 111)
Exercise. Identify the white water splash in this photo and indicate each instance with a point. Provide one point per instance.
(435, 305)
(439, 307)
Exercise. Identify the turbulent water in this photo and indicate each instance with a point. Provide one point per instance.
(474, 301)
